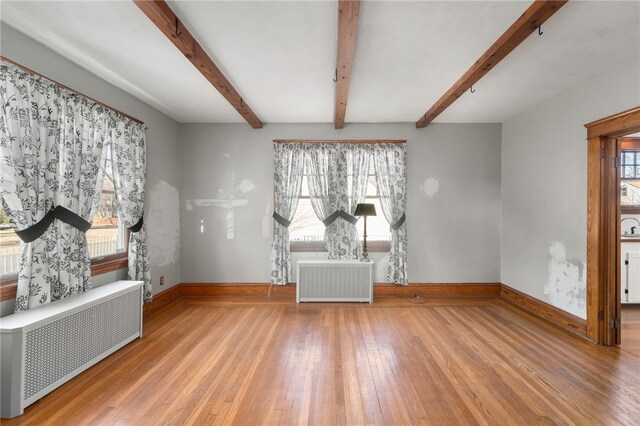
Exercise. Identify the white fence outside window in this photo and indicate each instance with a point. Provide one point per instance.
(98, 246)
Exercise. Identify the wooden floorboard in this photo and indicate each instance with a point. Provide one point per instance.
(251, 360)
(631, 329)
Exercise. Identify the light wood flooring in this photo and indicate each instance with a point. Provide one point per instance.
(246, 360)
(631, 330)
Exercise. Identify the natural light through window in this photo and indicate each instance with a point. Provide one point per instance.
(306, 227)
(630, 178)
(106, 236)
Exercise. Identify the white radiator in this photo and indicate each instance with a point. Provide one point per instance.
(334, 281)
(44, 347)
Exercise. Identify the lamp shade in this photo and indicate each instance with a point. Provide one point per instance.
(365, 210)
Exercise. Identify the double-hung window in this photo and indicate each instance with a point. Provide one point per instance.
(306, 231)
(107, 238)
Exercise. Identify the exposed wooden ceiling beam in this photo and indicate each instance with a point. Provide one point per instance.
(531, 19)
(348, 13)
(163, 17)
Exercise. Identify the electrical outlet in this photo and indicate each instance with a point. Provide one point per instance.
(162, 280)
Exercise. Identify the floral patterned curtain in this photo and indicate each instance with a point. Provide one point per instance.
(288, 169)
(129, 175)
(357, 160)
(52, 145)
(390, 162)
(337, 178)
(83, 146)
(322, 167)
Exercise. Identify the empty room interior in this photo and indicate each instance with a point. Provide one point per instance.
(320, 212)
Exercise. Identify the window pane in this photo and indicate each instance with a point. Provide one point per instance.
(9, 246)
(372, 186)
(628, 172)
(106, 235)
(304, 191)
(632, 195)
(305, 225)
(627, 158)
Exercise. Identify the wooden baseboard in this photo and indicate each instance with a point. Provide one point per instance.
(162, 300)
(167, 297)
(438, 289)
(543, 310)
(379, 289)
(228, 289)
(523, 301)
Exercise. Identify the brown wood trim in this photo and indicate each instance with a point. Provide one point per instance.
(99, 265)
(615, 125)
(630, 240)
(162, 300)
(371, 141)
(348, 14)
(603, 223)
(528, 22)
(379, 289)
(229, 289)
(8, 287)
(162, 16)
(543, 310)
(438, 289)
(538, 308)
(630, 209)
(629, 143)
(113, 262)
(32, 72)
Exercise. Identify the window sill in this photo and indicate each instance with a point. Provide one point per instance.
(319, 246)
(630, 209)
(99, 265)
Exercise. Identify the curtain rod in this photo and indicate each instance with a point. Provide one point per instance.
(32, 72)
(369, 141)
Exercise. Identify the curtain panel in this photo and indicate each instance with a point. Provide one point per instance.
(337, 176)
(288, 170)
(53, 147)
(390, 162)
(128, 151)
(29, 151)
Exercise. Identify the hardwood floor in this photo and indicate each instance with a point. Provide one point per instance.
(631, 330)
(246, 360)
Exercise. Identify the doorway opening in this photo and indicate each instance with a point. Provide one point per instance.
(629, 165)
(604, 230)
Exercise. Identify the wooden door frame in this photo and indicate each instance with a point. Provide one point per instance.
(603, 224)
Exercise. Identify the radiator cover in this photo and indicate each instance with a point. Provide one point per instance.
(46, 346)
(334, 281)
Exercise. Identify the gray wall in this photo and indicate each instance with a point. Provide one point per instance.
(544, 187)
(163, 165)
(454, 234)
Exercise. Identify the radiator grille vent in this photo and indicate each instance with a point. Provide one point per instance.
(60, 347)
(338, 283)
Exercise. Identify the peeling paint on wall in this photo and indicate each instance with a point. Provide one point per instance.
(430, 187)
(566, 286)
(164, 218)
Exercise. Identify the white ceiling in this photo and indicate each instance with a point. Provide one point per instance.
(281, 56)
